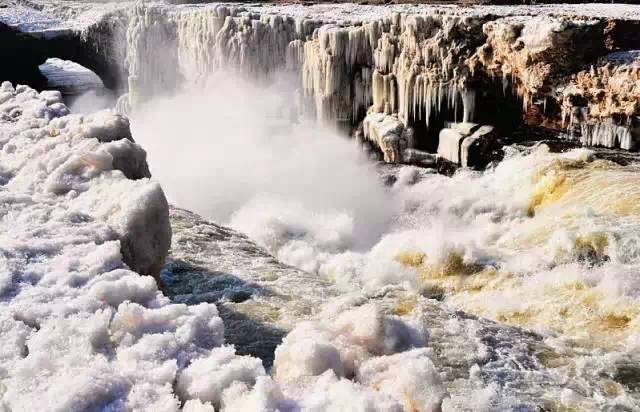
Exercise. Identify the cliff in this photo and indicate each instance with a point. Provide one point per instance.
(571, 69)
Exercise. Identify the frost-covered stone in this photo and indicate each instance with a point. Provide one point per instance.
(467, 144)
(449, 142)
(386, 133)
(48, 152)
(79, 329)
(69, 77)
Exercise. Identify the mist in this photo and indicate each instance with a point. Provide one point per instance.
(235, 152)
(92, 101)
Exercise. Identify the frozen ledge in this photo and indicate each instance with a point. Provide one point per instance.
(79, 329)
(85, 164)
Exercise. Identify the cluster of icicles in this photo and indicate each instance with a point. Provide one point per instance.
(401, 65)
(343, 70)
(605, 133)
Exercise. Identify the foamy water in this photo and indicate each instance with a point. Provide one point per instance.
(544, 241)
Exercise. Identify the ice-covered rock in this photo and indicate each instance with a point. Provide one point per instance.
(80, 330)
(88, 162)
(386, 133)
(467, 144)
(449, 142)
(418, 157)
(69, 77)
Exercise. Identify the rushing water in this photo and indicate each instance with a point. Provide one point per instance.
(546, 242)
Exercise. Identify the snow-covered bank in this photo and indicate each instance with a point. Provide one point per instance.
(79, 329)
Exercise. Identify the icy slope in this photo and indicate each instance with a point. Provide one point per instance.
(79, 329)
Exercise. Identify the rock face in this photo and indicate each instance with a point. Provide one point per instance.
(91, 164)
(422, 65)
(570, 67)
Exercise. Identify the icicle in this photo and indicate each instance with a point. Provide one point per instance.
(468, 103)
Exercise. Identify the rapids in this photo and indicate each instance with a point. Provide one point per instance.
(543, 241)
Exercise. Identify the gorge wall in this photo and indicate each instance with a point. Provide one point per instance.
(570, 71)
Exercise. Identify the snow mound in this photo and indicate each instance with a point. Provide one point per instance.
(79, 330)
(360, 359)
(87, 162)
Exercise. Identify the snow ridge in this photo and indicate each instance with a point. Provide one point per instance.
(79, 330)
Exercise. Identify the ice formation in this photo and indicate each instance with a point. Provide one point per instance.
(417, 61)
(69, 77)
(421, 63)
(80, 329)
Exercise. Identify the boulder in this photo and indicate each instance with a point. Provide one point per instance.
(418, 157)
(449, 142)
(467, 144)
(386, 133)
(476, 150)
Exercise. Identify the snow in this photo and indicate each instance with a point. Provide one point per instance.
(80, 330)
(51, 19)
(343, 12)
(78, 15)
(52, 153)
(28, 19)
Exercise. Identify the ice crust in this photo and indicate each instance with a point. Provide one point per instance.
(83, 331)
(80, 329)
(69, 77)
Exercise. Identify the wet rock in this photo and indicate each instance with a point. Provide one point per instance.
(480, 149)
(419, 158)
(469, 145)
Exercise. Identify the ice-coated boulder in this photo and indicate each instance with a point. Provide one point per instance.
(89, 163)
(449, 142)
(388, 134)
(68, 76)
(467, 144)
(385, 132)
